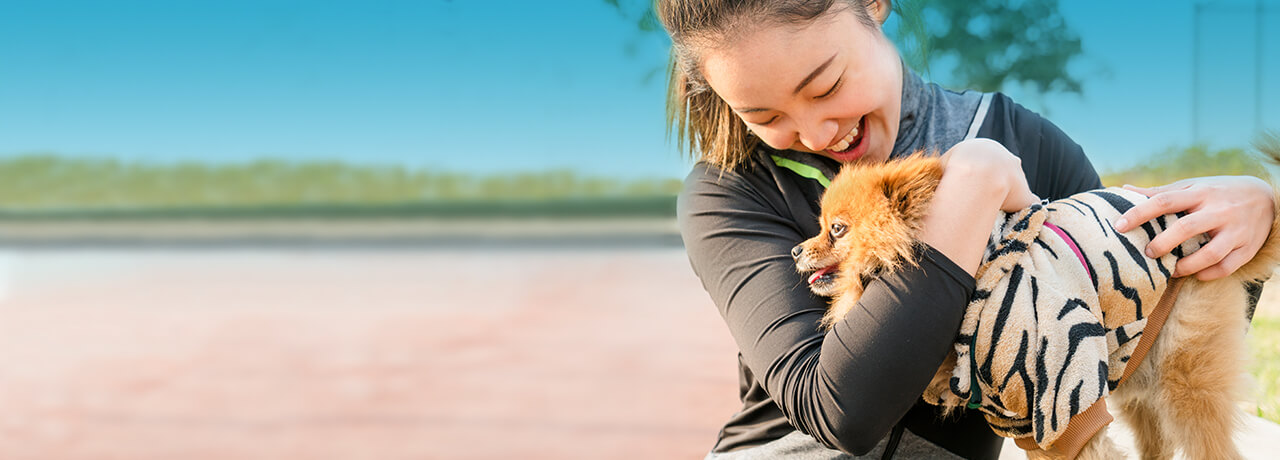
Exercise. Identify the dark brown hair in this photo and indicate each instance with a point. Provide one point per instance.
(704, 123)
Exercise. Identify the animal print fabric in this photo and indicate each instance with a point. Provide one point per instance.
(1035, 339)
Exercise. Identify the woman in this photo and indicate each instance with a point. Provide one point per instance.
(774, 96)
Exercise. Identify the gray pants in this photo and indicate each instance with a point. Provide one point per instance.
(801, 446)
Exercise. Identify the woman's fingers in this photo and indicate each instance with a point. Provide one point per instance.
(1143, 190)
(1213, 253)
(1228, 265)
(1185, 228)
(1149, 191)
(1161, 203)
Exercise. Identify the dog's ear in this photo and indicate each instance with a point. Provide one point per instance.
(909, 184)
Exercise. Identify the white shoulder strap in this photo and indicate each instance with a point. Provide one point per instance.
(978, 116)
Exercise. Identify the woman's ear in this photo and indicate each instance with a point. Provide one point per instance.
(879, 10)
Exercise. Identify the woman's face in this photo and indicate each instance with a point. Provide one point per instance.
(831, 87)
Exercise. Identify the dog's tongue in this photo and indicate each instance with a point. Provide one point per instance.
(819, 273)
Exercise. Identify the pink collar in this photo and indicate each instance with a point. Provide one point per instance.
(1072, 244)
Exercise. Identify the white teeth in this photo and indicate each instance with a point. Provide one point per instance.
(848, 138)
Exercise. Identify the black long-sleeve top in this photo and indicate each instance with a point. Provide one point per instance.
(849, 386)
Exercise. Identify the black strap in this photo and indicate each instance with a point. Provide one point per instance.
(1254, 289)
(894, 438)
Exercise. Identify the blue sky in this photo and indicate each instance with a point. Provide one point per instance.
(494, 87)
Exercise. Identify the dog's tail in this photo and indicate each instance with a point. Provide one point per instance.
(1268, 257)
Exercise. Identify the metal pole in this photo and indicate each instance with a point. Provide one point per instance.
(1195, 70)
(1257, 70)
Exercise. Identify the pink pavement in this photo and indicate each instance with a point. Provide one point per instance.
(359, 353)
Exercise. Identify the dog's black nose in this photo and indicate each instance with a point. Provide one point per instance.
(796, 251)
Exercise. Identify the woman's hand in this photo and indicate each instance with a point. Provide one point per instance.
(980, 177)
(996, 166)
(1236, 212)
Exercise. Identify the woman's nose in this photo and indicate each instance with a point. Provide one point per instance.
(818, 136)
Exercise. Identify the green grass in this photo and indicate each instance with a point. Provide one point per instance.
(52, 187)
(1174, 164)
(47, 181)
(1264, 343)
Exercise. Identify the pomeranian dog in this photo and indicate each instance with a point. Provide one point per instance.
(1064, 311)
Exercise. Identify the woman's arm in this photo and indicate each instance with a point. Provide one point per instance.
(849, 386)
(1236, 212)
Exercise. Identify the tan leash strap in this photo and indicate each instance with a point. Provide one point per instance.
(1155, 322)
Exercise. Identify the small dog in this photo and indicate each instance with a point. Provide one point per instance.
(1079, 295)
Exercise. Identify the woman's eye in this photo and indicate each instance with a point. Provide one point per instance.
(832, 90)
(766, 122)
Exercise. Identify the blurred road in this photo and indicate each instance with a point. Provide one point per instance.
(359, 353)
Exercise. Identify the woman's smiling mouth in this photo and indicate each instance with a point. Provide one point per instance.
(852, 145)
(844, 143)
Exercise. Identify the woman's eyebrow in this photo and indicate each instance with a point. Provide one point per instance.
(799, 87)
(813, 74)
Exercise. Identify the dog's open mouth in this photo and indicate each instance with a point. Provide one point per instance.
(823, 277)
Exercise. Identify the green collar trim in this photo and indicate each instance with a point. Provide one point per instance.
(802, 169)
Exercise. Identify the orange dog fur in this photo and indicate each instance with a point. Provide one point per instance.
(1183, 394)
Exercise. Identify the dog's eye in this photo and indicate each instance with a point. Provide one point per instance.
(838, 229)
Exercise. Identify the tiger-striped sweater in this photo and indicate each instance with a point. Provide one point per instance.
(1035, 338)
